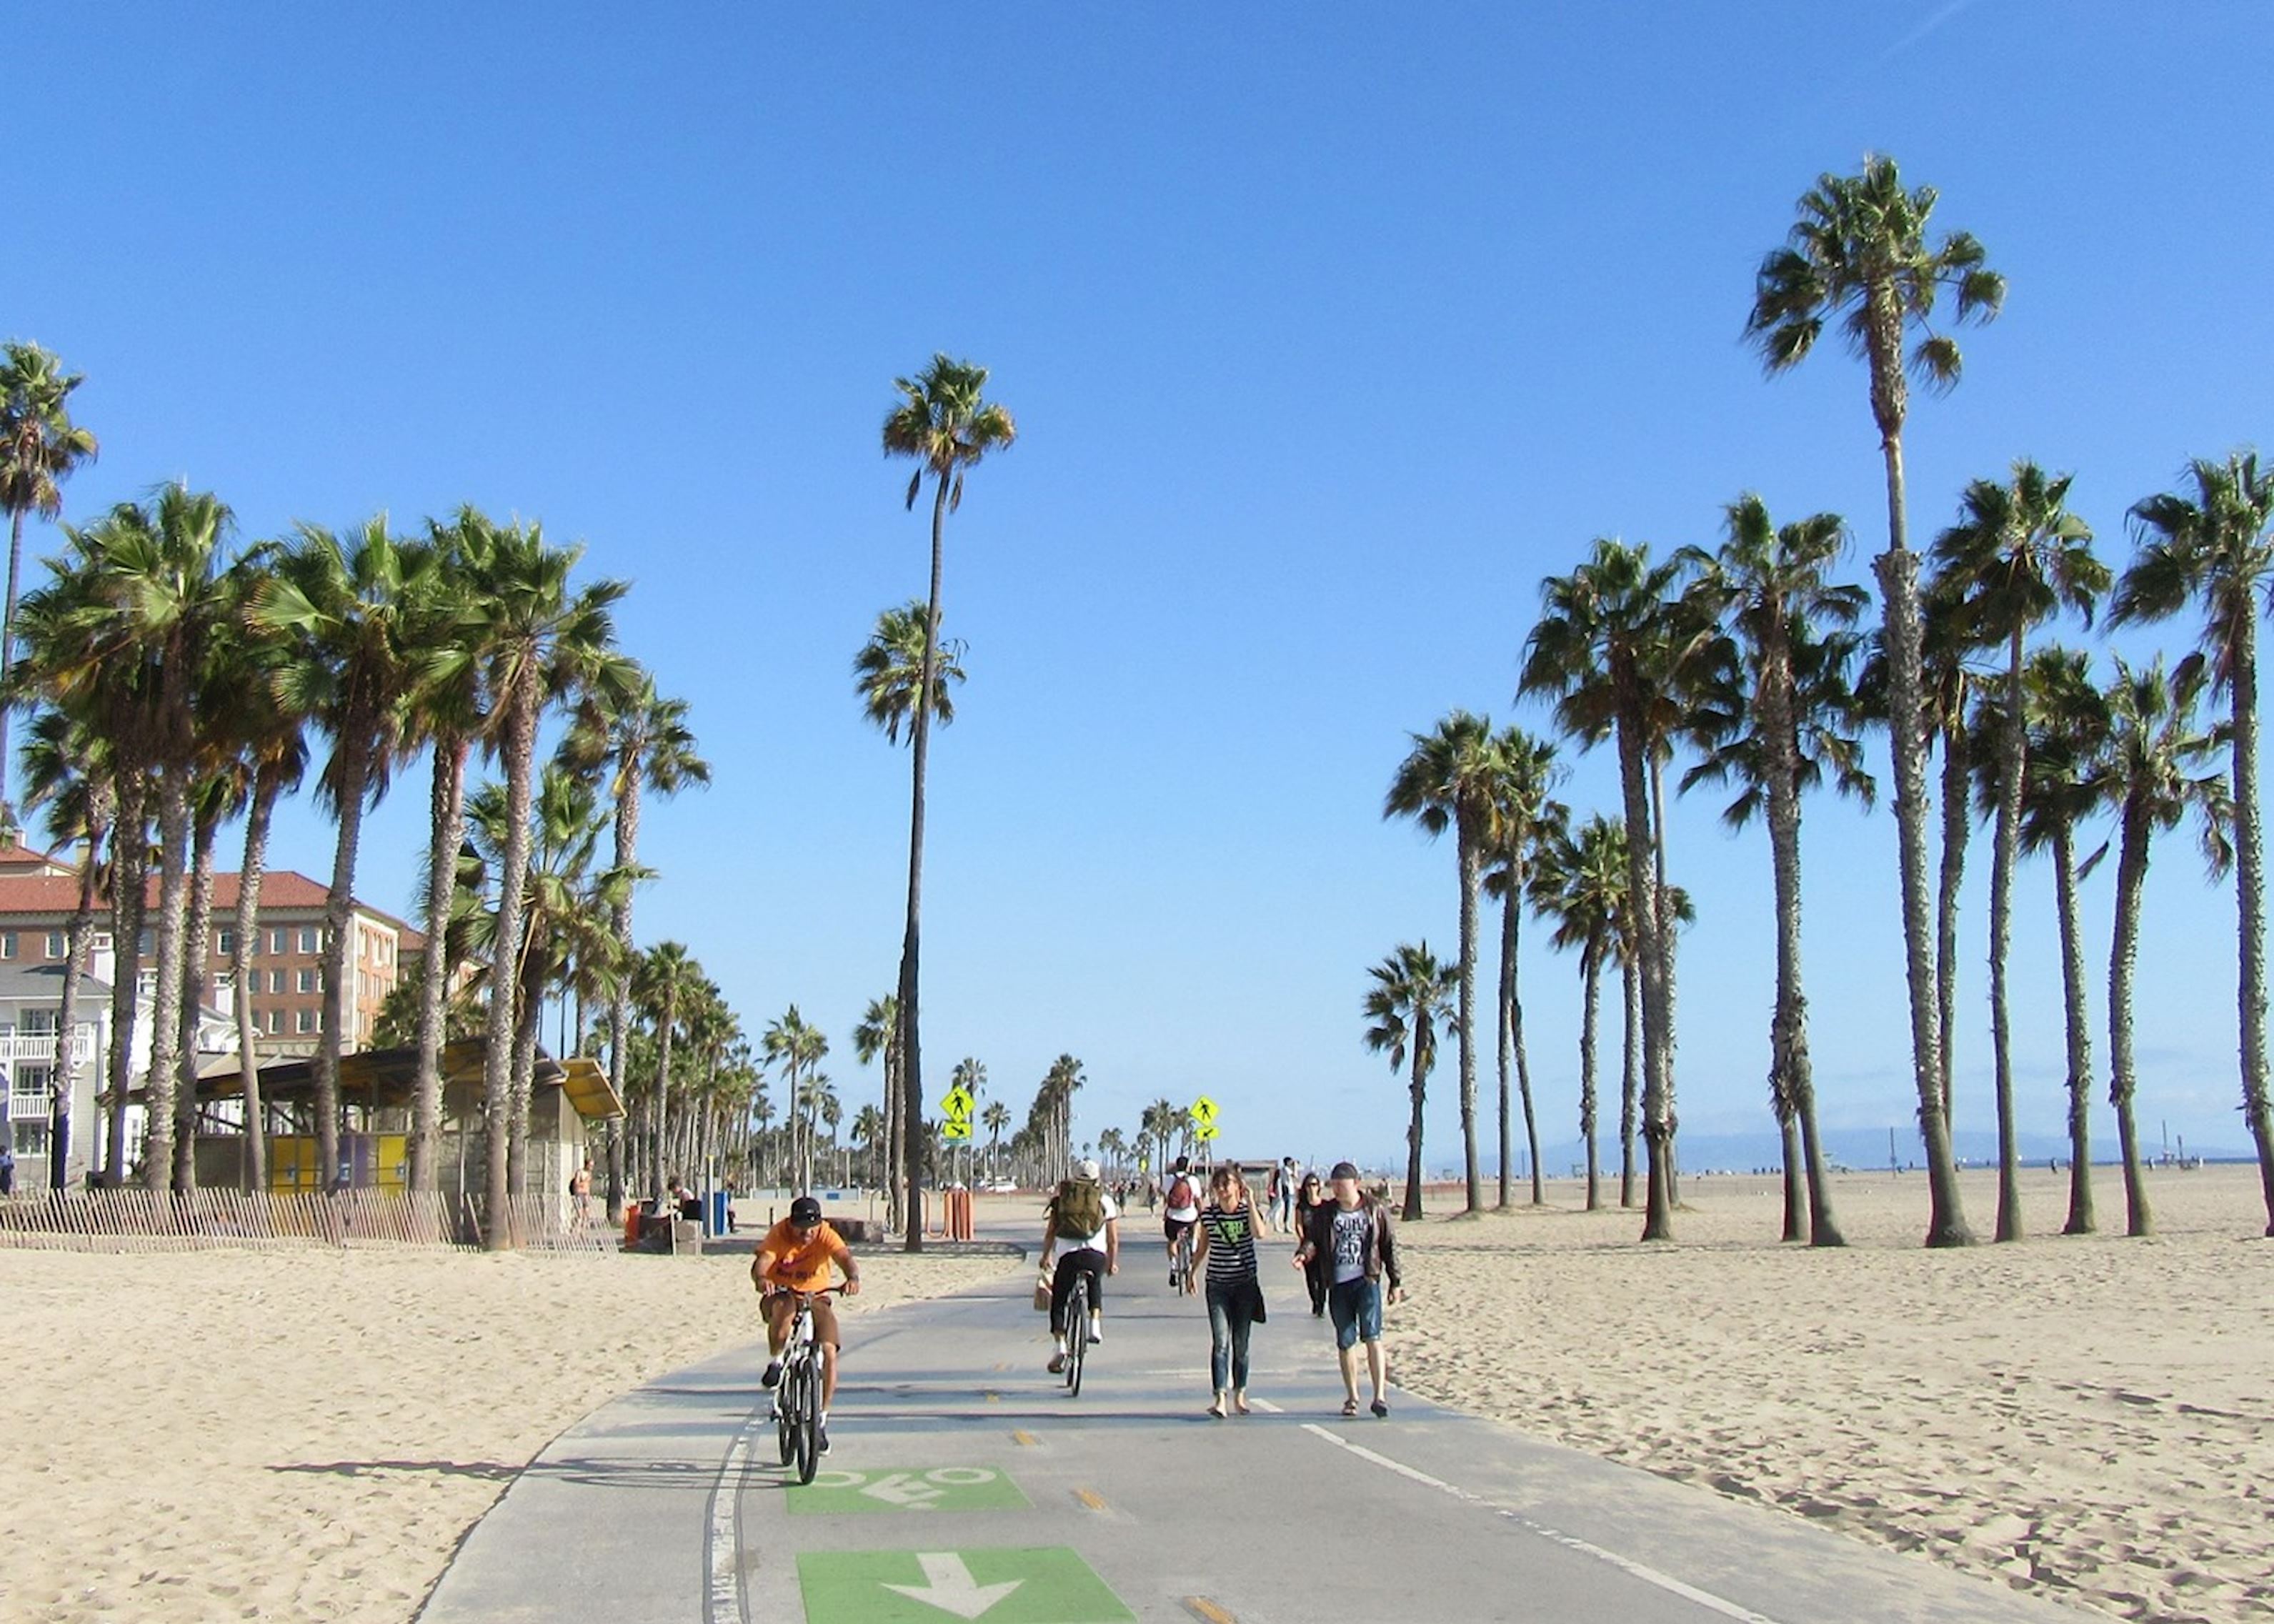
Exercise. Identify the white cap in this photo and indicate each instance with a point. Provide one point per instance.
(1087, 1167)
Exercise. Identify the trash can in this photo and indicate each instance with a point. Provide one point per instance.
(718, 1218)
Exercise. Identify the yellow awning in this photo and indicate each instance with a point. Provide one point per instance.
(587, 1086)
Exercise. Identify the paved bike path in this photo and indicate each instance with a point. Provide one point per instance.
(966, 1482)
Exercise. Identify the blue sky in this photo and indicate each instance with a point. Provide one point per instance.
(1330, 333)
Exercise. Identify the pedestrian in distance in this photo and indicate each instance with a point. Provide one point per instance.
(1181, 1212)
(1350, 1235)
(1083, 1219)
(1225, 1257)
(1287, 1181)
(1308, 1197)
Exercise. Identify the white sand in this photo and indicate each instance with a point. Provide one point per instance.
(308, 1434)
(2090, 1417)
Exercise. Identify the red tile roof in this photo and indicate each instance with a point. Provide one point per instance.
(282, 891)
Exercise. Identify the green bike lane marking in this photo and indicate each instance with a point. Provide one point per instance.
(912, 1488)
(1046, 1584)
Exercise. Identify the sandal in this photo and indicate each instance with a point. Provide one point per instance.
(1381, 1409)
(1350, 1407)
(1216, 1410)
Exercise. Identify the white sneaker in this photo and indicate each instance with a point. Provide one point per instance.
(1097, 1332)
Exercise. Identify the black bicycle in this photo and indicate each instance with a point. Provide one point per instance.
(797, 1399)
(1077, 1324)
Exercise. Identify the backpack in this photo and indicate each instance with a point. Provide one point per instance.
(1079, 1209)
(1182, 1194)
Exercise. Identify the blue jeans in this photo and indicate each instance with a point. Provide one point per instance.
(1232, 1313)
(1355, 1306)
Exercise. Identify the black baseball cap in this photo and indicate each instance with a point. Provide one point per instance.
(805, 1212)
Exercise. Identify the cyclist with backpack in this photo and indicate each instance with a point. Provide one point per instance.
(1181, 1212)
(1083, 1219)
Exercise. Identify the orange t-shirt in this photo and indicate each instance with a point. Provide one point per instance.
(802, 1261)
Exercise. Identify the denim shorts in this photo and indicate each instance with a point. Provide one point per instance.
(1355, 1306)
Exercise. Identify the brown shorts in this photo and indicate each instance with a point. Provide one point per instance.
(781, 1304)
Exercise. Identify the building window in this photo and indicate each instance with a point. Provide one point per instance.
(277, 981)
(308, 940)
(58, 944)
(307, 980)
(146, 943)
(277, 939)
(225, 943)
(308, 1021)
(276, 1021)
(7, 944)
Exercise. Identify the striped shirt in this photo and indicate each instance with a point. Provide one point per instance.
(1231, 1242)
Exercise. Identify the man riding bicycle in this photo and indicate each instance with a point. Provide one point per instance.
(1084, 1220)
(1181, 1213)
(795, 1259)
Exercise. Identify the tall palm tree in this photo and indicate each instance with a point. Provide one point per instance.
(1525, 815)
(1452, 779)
(1859, 250)
(1785, 723)
(65, 769)
(1609, 634)
(348, 603)
(945, 424)
(995, 1118)
(39, 448)
(2067, 719)
(663, 983)
(2149, 776)
(641, 741)
(2216, 545)
(545, 639)
(797, 1047)
(1583, 882)
(1411, 998)
(878, 1037)
(2016, 558)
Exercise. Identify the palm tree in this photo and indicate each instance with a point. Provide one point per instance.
(642, 741)
(798, 1046)
(2016, 558)
(879, 1037)
(545, 639)
(1784, 724)
(39, 448)
(663, 983)
(970, 1073)
(1158, 1121)
(2148, 776)
(1524, 816)
(889, 666)
(995, 1118)
(1452, 779)
(944, 423)
(64, 769)
(1583, 882)
(2218, 545)
(348, 604)
(1410, 999)
(1609, 636)
(2068, 721)
(1859, 250)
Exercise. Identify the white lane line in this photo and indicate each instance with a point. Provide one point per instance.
(1625, 1564)
(723, 1603)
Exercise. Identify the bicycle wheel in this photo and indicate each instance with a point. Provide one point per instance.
(1184, 1262)
(784, 1392)
(1077, 1335)
(809, 1420)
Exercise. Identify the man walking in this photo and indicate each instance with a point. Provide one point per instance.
(1351, 1237)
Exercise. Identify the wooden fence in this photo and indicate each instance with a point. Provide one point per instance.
(136, 1220)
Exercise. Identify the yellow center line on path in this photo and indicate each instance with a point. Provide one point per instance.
(1023, 1439)
(992, 1398)
(1090, 1498)
(1202, 1607)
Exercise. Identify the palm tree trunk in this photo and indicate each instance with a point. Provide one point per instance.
(1471, 867)
(265, 787)
(1504, 1043)
(8, 648)
(1630, 1071)
(1897, 569)
(197, 935)
(912, 1147)
(130, 865)
(1512, 913)
(81, 949)
(2131, 884)
(1789, 1059)
(2012, 756)
(2080, 1219)
(1658, 1210)
(1410, 1212)
(160, 1083)
(529, 1019)
(505, 954)
(2250, 900)
(446, 828)
(620, 995)
(356, 744)
(1662, 897)
(665, 1019)
(1957, 830)
(1590, 998)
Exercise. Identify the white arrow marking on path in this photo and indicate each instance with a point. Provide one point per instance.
(903, 1489)
(948, 1585)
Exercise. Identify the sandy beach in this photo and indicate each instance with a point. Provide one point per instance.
(308, 1434)
(2085, 1416)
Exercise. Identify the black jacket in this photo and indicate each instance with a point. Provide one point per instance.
(1380, 1238)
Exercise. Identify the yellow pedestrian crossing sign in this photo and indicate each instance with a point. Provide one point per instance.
(956, 1129)
(1203, 1111)
(957, 1103)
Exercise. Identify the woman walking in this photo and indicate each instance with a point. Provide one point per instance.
(1226, 1249)
(1315, 1272)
